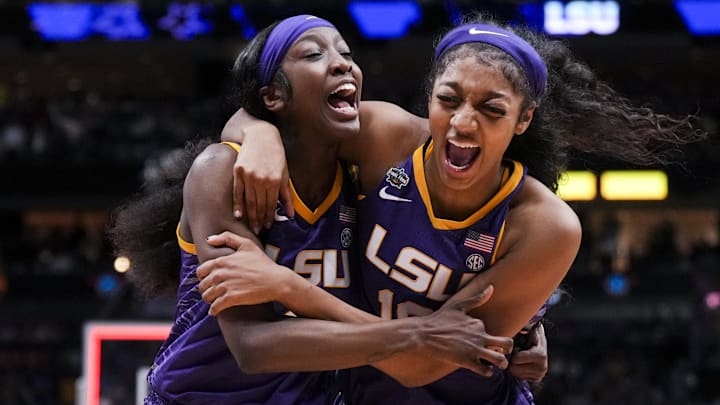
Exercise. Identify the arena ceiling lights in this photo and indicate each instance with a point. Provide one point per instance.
(384, 19)
(375, 20)
(614, 185)
(702, 17)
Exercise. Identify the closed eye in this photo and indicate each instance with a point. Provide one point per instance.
(495, 110)
(445, 99)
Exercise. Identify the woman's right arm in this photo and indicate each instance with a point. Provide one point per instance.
(260, 170)
(388, 134)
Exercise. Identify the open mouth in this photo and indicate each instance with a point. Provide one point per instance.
(343, 98)
(460, 156)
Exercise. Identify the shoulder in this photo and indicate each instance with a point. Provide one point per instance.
(382, 124)
(390, 124)
(388, 135)
(537, 213)
(388, 115)
(211, 172)
(213, 157)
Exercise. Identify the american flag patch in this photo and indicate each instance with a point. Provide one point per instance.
(347, 214)
(480, 241)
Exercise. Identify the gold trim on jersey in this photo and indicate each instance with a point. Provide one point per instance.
(188, 246)
(311, 216)
(233, 145)
(185, 245)
(497, 243)
(511, 175)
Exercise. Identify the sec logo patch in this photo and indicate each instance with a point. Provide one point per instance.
(475, 262)
(346, 237)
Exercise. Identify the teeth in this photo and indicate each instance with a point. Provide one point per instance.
(457, 167)
(462, 145)
(345, 89)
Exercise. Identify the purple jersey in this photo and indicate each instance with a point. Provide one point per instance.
(195, 366)
(413, 262)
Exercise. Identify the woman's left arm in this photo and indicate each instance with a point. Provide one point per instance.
(542, 238)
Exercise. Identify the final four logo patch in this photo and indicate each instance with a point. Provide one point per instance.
(397, 177)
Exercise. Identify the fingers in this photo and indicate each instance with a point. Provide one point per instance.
(205, 269)
(286, 198)
(479, 366)
(253, 200)
(210, 287)
(218, 306)
(529, 372)
(499, 344)
(207, 273)
(540, 337)
(211, 293)
(529, 356)
(214, 291)
(228, 239)
(492, 357)
(531, 364)
(218, 299)
(238, 191)
(482, 361)
(270, 205)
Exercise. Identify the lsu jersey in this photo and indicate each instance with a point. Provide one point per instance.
(195, 366)
(412, 262)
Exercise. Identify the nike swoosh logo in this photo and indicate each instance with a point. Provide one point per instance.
(385, 196)
(475, 31)
(280, 218)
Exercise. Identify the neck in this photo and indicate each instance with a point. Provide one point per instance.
(458, 204)
(312, 166)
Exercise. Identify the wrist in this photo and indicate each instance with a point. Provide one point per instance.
(260, 129)
(288, 286)
(417, 339)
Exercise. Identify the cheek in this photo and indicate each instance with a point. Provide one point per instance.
(437, 116)
(438, 124)
(357, 72)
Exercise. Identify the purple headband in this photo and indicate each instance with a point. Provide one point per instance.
(281, 39)
(525, 55)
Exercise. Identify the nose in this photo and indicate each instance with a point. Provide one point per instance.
(340, 64)
(464, 120)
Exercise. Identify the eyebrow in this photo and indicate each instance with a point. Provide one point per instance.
(455, 86)
(319, 39)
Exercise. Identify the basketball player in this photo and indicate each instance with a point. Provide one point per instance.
(461, 212)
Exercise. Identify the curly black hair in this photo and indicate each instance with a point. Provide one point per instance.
(143, 228)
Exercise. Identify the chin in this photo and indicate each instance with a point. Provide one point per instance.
(347, 129)
(455, 181)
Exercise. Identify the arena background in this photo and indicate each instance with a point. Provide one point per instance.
(93, 96)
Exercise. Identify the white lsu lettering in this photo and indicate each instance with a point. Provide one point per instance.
(318, 266)
(413, 269)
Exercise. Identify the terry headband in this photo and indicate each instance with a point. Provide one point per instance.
(526, 56)
(280, 39)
